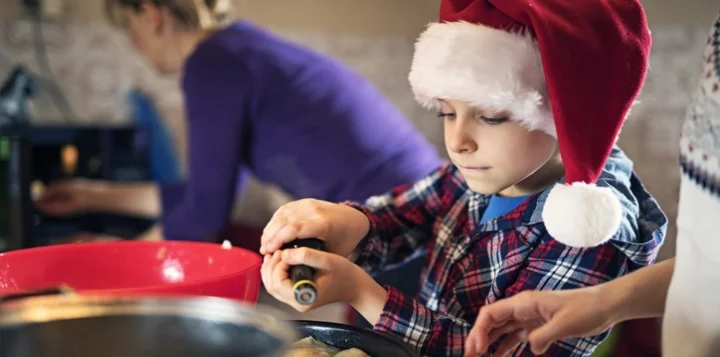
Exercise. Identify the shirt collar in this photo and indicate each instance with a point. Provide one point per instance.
(529, 212)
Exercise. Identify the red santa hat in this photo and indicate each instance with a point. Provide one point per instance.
(571, 68)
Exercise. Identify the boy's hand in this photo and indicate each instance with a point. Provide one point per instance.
(541, 318)
(337, 279)
(341, 227)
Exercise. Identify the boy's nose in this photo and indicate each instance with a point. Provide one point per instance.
(461, 143)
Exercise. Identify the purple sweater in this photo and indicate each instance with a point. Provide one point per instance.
(294, 118)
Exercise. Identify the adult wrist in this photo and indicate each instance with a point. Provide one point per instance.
(620, 300)
(97, 193)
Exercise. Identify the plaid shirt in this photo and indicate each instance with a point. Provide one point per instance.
(471, 264)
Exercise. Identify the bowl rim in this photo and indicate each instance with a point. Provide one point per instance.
(43, 309)
(148, 288)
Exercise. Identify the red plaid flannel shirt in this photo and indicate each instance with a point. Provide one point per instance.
(470, 265)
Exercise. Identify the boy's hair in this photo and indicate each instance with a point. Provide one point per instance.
(191, 14)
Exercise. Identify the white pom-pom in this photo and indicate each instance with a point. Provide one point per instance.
(226, 245)
(582, 215)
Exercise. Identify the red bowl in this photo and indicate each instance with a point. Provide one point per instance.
(136, 268)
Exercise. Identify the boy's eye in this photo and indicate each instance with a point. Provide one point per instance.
(494, 121)
(446, 115)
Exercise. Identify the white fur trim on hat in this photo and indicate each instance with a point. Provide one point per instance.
(488, 68)
(582, 215)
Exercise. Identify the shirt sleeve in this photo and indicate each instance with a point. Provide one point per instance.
(216, 88)
(171, 195)
(401, 222)
(432, 333)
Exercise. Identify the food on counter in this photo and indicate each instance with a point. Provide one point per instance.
(310, 347)
(353, 352)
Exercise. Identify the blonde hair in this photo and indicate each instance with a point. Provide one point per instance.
(191, 14)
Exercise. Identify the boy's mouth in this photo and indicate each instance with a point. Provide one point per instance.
(476, 168)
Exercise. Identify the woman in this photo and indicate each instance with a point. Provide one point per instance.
(684, 290)
(255, 103)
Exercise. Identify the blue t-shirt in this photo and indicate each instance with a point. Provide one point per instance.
(499, 206)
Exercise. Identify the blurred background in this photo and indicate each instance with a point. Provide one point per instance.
(95, 67)
(88, 68)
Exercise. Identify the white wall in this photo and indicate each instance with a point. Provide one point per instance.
(373, 16)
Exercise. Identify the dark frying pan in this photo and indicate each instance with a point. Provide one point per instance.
(374, 343)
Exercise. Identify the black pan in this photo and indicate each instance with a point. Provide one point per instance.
(374, 343)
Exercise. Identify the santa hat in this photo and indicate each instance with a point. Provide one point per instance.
(571, 68)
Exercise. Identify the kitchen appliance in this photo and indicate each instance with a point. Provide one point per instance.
(90, 326)
(34, 156)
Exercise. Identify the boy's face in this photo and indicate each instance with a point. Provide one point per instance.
(494, 153)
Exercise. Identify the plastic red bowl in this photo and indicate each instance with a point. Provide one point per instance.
(136, 268)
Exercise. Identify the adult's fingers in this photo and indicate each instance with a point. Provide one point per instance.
(511, 342)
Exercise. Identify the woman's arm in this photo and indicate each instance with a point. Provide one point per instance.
(134, 199)
(561, 315)
(72, 197)
(216, 90)
(641, 294)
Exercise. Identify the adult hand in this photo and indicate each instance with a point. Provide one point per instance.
(541, 318)
(68, 198)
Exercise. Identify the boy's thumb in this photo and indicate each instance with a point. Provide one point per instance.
(306, 256)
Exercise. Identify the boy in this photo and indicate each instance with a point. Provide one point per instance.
(532, 94)
(684, 290)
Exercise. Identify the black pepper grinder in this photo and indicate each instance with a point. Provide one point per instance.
(302, 275)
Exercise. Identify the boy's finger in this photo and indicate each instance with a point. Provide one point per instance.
(275, 224)
(306, 256)
(282, 282)
(266, 271)
(286, 234)
(280, 272)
